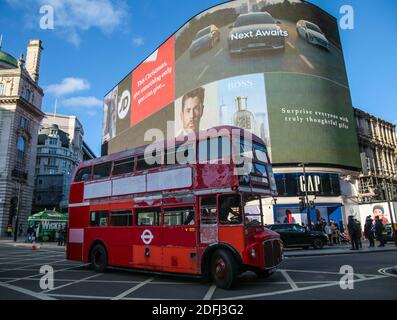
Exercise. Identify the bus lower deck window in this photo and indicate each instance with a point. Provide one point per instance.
(121, 219)
(99, 218)
(148, 217)
(179, 216)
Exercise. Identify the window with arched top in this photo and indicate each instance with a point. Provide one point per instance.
(21, 145)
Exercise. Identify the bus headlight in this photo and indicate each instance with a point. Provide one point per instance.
(253, 253)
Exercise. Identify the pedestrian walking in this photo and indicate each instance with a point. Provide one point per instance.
(352, 228)
(20, 230)
(368, 231)
(29, 234)
(379, 229)
(9, 230)
(359, 233)
(328, 231)
(335, 233)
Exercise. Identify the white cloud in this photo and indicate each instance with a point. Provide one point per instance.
(138, 41)
(72, 17)
(68, 86)
(91, 113)
(82, 102)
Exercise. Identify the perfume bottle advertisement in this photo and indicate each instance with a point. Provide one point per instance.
(242, 102)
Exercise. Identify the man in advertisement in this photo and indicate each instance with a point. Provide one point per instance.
(192, 111)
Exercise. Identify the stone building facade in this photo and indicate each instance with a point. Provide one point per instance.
(60, 149)
(20, 117)
(378, 148)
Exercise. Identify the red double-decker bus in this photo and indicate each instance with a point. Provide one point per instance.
(202, 216)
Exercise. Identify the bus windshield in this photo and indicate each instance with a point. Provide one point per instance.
(253, 151)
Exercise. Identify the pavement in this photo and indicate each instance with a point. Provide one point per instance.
(338, 249)
(21, 243)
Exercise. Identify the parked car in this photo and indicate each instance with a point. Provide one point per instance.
(204, 40)
(294, 235)
(256, 31)
(312, 33)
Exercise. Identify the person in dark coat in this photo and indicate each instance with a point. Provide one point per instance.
(359, 233)
(353, 232)
(379, 228)
(368, 231)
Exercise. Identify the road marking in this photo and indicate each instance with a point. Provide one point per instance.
(289, 279)
(306, 61)
(327, 272)
(26, 291)
(75, 282)
(37, 258)
(386, 273)
(210, 292)
(259, 295)
(126, 293)
(38, 274)
(32, 265)
(75, 296)
(202, 72)
(219, 52)
(291, 45)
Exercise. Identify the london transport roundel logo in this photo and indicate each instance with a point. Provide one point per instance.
(147, 236)
(124, 104)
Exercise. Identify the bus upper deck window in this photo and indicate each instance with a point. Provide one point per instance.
(83, 175)
(102, 170)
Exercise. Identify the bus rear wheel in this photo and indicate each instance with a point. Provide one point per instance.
(224, 269)
(99, 258)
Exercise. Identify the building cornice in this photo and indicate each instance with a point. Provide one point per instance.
(17, 100)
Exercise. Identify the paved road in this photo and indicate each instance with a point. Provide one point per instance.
(299, 57)
(298, 278)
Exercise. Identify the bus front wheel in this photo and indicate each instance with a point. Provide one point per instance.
(99, 258)
(224, 269)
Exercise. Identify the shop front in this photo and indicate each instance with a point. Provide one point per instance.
(322, 189)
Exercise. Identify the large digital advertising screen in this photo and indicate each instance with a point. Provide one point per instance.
(273, 67)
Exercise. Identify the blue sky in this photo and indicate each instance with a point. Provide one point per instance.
(88, 52)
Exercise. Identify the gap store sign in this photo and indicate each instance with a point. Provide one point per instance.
(318, 184)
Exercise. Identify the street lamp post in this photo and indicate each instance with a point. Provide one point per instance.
(17, 214)
(307, 204)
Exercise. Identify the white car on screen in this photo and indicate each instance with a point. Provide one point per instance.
(312, 33)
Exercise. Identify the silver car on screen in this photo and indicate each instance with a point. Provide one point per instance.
(312, 33)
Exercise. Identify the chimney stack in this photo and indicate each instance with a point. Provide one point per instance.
(33, 59)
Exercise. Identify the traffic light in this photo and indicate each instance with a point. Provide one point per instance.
(302, 204)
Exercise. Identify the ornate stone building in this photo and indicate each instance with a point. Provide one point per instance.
(20, 117)
(378, 148)
(60, 148)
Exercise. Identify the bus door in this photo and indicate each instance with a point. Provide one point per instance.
(208, 220)
(147, 239)
(179, 240)
(121, 235)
